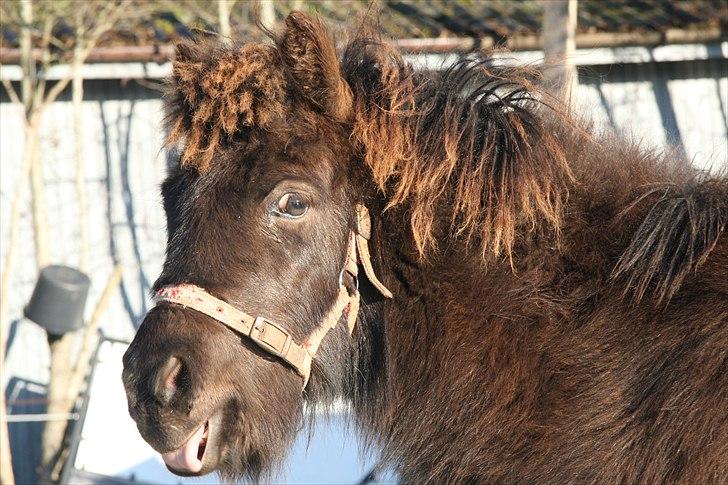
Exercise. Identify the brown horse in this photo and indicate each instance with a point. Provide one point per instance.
(559, 298)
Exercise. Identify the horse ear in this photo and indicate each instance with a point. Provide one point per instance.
(196, 49)
(309, 52)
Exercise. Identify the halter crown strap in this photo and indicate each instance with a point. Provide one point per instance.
(273, 338)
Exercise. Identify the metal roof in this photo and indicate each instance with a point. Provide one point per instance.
(498, 21)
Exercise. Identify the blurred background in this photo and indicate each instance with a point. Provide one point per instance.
(81, 161)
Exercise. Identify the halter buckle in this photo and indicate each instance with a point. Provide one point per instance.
(271, 337)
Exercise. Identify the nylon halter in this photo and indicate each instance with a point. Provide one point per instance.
(275, 339)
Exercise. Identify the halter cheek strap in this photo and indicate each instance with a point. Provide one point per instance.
(362, 236)
(270, 336)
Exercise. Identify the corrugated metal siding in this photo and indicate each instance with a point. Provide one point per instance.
(681, 103)
(684, 101)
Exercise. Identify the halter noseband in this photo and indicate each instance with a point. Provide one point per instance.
(273, 338)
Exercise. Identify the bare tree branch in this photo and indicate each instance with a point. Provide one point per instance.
(12, 93)
(46, 59)
(27, 62)
(78, 145)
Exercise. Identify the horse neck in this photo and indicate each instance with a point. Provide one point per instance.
(415, 283)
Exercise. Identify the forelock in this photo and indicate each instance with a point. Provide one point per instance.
(218, 91)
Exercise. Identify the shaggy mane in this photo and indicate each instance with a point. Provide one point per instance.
(675, 237)
(472, 140)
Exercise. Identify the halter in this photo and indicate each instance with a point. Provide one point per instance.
(275, 339)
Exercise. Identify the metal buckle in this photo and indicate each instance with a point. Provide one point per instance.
(353, 277)
(270, 337)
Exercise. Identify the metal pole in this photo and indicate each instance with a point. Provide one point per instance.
(26, 418)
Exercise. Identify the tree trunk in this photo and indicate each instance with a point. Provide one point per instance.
(90, 334)
(77, 88)
(31, 91)
(31, 128)
(223, 14)
(37, 185)
(27, 63)
(559, 29)
(6, 469)
(58, 399)
(267, 14)
(67, 376)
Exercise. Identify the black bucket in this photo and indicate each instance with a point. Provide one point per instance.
(59, 299)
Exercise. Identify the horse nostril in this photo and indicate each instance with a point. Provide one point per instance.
(166, 383)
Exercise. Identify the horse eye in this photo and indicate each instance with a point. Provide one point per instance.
(292, 204)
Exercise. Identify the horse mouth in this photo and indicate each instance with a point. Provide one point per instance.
(199, 454)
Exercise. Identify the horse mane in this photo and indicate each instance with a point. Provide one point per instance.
(471, 143)
(674, 238)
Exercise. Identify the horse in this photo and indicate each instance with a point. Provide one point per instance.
(501, 292)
